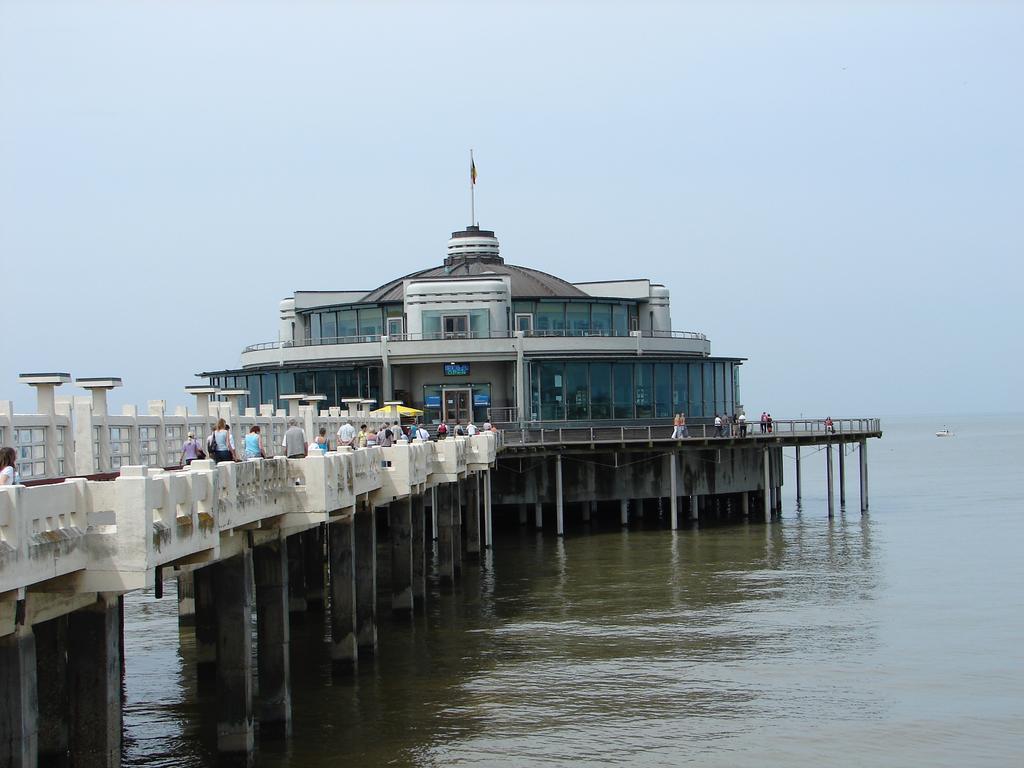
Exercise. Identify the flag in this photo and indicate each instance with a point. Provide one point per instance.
(472, 170)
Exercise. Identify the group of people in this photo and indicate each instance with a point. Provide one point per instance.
(220, 444)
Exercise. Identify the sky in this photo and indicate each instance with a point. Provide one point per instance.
(832, 190)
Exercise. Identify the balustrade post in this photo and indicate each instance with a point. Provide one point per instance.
(828, 470)
(842, 475)
(444, 512)
(673, 459)
(559, 500)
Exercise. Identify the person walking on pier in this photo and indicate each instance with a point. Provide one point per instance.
(764, 422)
(676, 431)
(224, 445)
(361, 437)
(471, 429)
(8, 462)
(384, 437)
(768, 423)
(346, 434)
(191, 450)
(294, 442)
(742, 418)
(320, 441)
(683, 430)
(829, 426)
(254, 444)
(718, 425)
(442, 431)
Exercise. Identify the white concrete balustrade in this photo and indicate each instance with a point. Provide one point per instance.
(87, 536)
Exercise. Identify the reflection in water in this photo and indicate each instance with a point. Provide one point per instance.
(650, 646)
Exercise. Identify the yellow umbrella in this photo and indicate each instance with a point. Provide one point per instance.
(403, 410)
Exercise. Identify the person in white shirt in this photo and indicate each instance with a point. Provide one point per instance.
(346, 434)
(422, 434)
(471, 429)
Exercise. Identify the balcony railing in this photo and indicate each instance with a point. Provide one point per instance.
(464, 335)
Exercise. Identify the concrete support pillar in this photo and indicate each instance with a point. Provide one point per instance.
(400, 528)
(694, 507)
(186, 601)
(559, 501)
(842, 476)
(624, 511)
(94, 684)
(206, 625)
(767, 486)
(270, 569)
(828, 470)
(745, 503)
(445, 513)
(419, 551)
(296, 548)
(778, 501)
(522, 514)
(538, 515)
(313, 560)
(19, 715)
(366, 578)
(585, 511)
(673, 460)
(233, 601)
(472, 516)
(52, 686)
(863, 476)
(458, 549)
(799, 489)
(341, 550)
(488, 511)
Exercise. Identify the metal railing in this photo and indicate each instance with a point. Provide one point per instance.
(464, 335)
(540, 435)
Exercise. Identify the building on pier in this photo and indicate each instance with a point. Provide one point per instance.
(477, 338)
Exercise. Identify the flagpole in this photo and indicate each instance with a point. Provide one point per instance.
(472, 192)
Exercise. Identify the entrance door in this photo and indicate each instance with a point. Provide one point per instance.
(456, 326)
(458, 405)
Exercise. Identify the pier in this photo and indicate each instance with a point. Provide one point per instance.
(289, 536)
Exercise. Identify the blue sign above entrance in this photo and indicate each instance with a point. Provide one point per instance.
(456, 369)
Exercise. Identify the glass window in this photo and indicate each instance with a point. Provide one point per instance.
(347, 325)
(623, 391)
(394, 310)
(304, 382)
(549, 317)
(662, 390)
(644, 391)
(620, 322)
(324, 381)
(730, 401)
(696, 406)
(255, 391)
(479, 323)
(552, 398)
(370, 321)
(709, 389)
(523, 307)
(720, 404)
(481, 402)
(314, 328)
(577, 318)
(329, 327)
(577, 391)
(601, 390)
(679, 388)
(601, 319)
(373, 384)
(269, 386)
(736, 384)
(348, 384)
(634, 315)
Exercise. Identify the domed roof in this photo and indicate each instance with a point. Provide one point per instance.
(473, 252)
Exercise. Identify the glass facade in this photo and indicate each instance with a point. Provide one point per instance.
(579, 318)
(335, 383)
(581, 391)
(358, 324)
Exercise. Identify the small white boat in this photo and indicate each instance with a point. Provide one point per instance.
(944, 432)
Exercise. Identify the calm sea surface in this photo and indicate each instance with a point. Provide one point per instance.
(895, 639)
